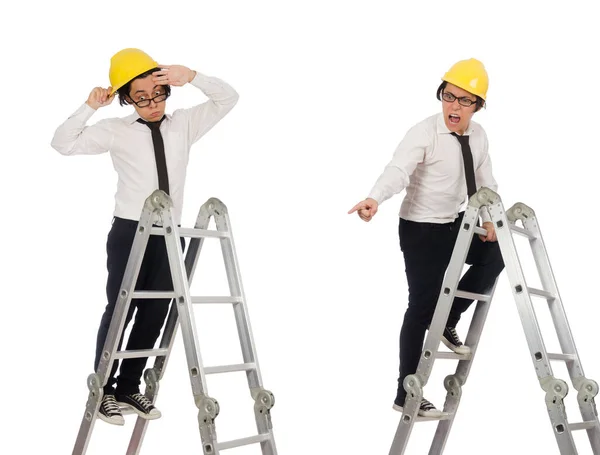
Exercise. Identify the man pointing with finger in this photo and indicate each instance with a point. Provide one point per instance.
(441, 162)
(149, 150)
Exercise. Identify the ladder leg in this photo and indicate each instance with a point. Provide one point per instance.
(264, 399)
(208, 407)
(89, 417)
(155, 374)
(587, 388)
(413, 384)
(414, 388)
(447, 293)
(97, 380)
(141, 425)
(454, 383)
(555, 389)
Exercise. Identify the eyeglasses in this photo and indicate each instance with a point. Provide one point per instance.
(157, 99)
(463, 101)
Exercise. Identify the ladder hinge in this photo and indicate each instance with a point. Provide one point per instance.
(556, 390)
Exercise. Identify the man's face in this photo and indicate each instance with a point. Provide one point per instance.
(145, 89)
(456, 115)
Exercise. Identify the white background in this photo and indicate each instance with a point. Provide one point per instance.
(327, 90)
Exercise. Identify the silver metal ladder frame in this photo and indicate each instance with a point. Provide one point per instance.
(505, 223)
(158, 209)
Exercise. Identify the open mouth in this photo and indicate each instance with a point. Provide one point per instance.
(454, 118)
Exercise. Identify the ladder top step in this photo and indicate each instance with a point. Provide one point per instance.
(192, 232)
(480, 231)
(523, 232)
(199, 233)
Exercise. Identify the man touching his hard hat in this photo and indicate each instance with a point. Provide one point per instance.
(440, 162)
(149, 150)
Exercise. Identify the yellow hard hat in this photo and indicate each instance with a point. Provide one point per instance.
(470, 75)
(127, 64)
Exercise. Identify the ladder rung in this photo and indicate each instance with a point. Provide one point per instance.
(243, 442)
(192, 232)
(153, 295)
(452, 356)
(232, 299)
(480, 231)
(230, 368)
(472, 296)
(137, 354)
(562, 357)
(541, 293)
(582, 425)
(199, 233)
(446, 416)
(523, 232)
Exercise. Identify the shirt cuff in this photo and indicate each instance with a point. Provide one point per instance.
(485, 216)
(377, 195)
(201, 80)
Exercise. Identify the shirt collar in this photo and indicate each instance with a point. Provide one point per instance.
(131, 119)
(443, 129)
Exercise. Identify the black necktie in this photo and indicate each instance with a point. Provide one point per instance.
(159, 153)
(468, 162)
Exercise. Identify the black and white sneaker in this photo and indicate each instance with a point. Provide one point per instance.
(109, 411)
(427, 409)
(451, 340)
(140, 404)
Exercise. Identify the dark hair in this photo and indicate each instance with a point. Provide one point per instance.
(478, 104)
(124, 91)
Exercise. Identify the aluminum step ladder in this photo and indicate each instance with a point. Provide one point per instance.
(158, 209)
(556, 389)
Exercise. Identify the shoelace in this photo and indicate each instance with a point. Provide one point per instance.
(426, 405)
(110, 405)
(142, 399)
(454, 335)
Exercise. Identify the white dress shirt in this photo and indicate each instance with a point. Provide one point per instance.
(428, 163)
(131, 148)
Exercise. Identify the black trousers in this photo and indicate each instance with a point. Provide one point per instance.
(154, 275)
(427, 249)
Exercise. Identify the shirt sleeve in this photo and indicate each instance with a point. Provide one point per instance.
(396, 175)
(74, 137)
(485, 177)
(201, 118)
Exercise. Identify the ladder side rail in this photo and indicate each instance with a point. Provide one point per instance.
(559, 317)
(154, 375)
(236, 289)
(264, 399)
(97, 380)
(454, 383)
(414, 383)
(587, 389)
(555, 389)
(447, 293)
